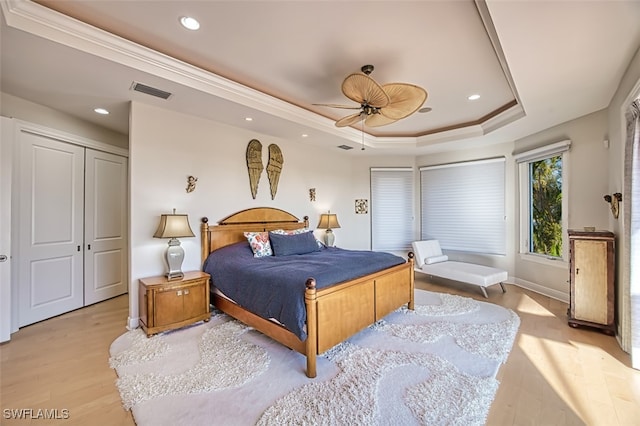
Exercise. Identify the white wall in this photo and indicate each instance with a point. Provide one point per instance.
(6, 169)
(360, 183)
(14, 107)
(629, 87)
(166, 147)
(587, 183)
(630, 84)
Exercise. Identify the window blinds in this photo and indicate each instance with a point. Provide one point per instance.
(391, 208)
(463, 205)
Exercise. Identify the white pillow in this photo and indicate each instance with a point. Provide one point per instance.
(424, 249)
(436, 259)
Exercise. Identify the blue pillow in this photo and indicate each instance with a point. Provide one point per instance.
(285, 245)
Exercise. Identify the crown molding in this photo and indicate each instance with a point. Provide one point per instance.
(36, 19)
(41, 21)
(506, 117)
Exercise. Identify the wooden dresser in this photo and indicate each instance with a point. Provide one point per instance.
(592, 277)
(166, 305)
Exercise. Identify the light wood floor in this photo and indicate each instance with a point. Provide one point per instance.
(555, 375)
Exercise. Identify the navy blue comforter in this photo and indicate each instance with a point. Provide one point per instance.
(274, 286)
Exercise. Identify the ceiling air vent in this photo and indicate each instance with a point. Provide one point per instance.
(345, 147)
(143, 88)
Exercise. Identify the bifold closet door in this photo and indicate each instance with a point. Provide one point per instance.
(51, 201)
(105, 263)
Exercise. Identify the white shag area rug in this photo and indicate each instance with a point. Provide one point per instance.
(432, 366)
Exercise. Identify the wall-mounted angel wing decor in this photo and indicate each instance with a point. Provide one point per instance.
(274, 168)
(254, 165)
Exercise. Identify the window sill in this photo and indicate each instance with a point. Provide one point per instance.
(544, 260)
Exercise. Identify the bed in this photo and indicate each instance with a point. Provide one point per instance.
(431, 261)
(333, 311)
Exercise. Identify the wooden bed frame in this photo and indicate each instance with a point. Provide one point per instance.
(334, 313)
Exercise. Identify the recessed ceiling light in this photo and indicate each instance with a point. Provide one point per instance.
(304, 135)
(248, 119)
(474, 97)
(101, 111)
(189, 23)
(425, 109)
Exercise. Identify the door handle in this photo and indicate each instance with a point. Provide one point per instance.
(3, 258)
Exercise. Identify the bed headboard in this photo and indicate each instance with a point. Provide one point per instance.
(231, 229)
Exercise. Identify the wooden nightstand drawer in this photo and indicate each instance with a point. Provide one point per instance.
(166, 305)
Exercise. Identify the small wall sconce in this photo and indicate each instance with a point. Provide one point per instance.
(191, 183)
(312, 194)
(614, 200)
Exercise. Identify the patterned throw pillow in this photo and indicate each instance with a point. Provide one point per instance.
(295, 232)
(259, 242)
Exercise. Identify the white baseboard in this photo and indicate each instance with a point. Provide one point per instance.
(554, 294)
(133, 323)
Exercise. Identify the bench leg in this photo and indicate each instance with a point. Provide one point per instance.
(484, 292)
(504, 290)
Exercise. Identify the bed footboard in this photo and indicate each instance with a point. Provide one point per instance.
(336, 313)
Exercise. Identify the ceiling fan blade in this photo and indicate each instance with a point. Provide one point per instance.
(377, 120)
(405, 99)
(364, 90)
(350, 119)
(338, 106)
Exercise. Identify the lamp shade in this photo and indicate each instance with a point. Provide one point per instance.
(328, 221)
(174, 226)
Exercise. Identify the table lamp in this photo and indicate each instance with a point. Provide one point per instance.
(328, 221)
(174, 226)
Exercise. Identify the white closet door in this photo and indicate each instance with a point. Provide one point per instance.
(105, 226)
(6, 167)
(51, 227)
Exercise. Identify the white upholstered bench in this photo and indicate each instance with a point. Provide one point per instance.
(430, 260)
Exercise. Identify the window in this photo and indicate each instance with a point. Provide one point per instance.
(391, 209)
(463, 205)
(543, 208)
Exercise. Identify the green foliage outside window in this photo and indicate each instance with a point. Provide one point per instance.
(546, 206)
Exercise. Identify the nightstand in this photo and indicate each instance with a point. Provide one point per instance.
(167, 305)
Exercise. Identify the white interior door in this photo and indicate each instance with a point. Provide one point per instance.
(51, 227)
(6, 149)
(105, 226)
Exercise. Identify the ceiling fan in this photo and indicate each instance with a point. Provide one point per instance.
(379, 104)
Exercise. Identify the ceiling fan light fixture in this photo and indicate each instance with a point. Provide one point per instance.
(379, 104)
(405, 99)
(364, 90)
(351, 119)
